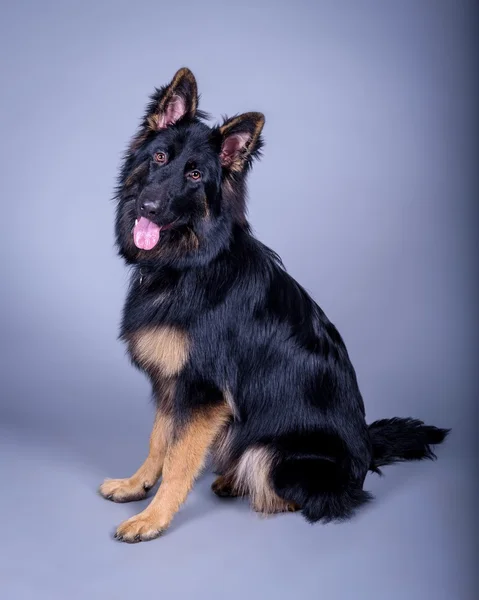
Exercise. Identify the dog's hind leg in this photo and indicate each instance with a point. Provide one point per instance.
(253, 478)
(325, 490)
(136, 487)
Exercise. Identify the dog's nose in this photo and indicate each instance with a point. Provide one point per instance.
(148, 208)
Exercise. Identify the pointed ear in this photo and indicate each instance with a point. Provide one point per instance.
(241, 140)
(173, 102)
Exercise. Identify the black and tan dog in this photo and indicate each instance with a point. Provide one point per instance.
(242, 361)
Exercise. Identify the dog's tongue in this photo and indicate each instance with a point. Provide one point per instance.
(146, 234)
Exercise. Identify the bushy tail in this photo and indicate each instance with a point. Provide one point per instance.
(399, 440)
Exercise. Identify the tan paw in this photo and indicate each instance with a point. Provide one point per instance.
(223, 487)
(292, 507)
(140, 528)
(280, 506)
(123, 490)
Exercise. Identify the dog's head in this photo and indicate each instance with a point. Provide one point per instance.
(182, 182)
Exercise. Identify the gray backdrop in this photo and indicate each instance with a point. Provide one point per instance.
(375, 216)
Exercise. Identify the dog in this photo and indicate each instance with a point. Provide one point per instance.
(244, 365)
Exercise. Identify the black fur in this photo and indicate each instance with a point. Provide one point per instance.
(254, 330)
(399, 440)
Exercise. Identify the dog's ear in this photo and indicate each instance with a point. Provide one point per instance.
(240, 140)
(173, 102)
(169, 104)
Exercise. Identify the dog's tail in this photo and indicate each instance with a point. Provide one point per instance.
(399, 440)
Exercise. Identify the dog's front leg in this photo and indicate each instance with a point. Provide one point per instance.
(137, 486)
(185, 457)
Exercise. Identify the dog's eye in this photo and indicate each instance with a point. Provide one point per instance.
(160, 157)
(195, 175)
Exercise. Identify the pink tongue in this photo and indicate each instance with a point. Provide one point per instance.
(146, 234)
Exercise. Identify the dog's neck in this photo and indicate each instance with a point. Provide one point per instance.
(211, 243)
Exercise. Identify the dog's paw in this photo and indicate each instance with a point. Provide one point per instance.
(223, 488)
(140, 528)
(123, 490)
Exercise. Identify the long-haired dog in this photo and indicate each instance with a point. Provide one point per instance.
(243, 363)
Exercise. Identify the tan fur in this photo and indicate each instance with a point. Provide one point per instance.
(228, 186)
(222, 442)
(184, 459)
(253, 478)
(160, 348)
(153, 121)
(224, 485)
(138, 140)
(222, 446)
(140, 170)
(230, 124)
(136, 486)
(189, 242)
(228, 396)
(237, 165)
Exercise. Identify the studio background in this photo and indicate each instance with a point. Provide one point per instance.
(368, 191)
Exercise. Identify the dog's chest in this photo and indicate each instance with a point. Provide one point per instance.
(162, 349)
(152, 327)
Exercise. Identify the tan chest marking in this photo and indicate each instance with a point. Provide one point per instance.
(163, 348)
